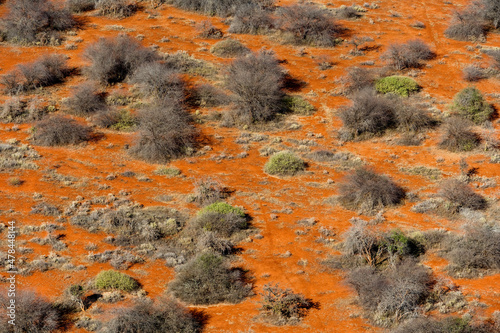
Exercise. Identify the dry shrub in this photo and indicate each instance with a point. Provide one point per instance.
(467, 24)
(208, 191)
(35, 21)
(251, 19)
(208, 279)
(79, 6)
(229, 48)
(308, 25)
(222, 224)
(357, 79)
(473, 73)
(164, 315)
(57, 130)
(256, 82)
(368, 191)
(159, 81)
(460, 196)
(214, 7)
(113, 59)
(208, 30)
(458, 135)
(116, 8)
(165, 132)
(85, 100)
(408, 55)
(17, 110)
(410, 117)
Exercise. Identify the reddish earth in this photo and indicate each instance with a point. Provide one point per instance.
(260, 194)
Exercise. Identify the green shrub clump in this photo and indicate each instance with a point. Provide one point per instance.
(297, 105)
(222, 208)
(115, 280)
(470, 104)
(399, 85)
(284, 164)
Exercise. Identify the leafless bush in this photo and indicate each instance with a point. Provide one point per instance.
(478, 250)
(159, 81)
(113, 59)
(31, 21)
(45, 71)
(445, 325)
(116, 8)
(164, 315)
(358, 78)
(17, 110)
(408, 55)
(206, 95)
(32, 313)
(85, 100)
(366, 190)
(211, 7)
(79, 6)
(410, 117)
(461, 196)
(165, 132)
(256, 82)
(208, 191)
(208, 240)
(394, 294)
(473, 73)
(369, 113)
(495, 55)
(208, 30)
(491, 10)
(347, 12)
(58, 130)
(221, 224)
(251, 19)
(308, 25)
(458, 135)
(467, 24)
(208, 279)
(229, 48)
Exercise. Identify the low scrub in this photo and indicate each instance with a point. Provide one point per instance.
(116, 8)
(458, 135)
(113, 59)
(308, 25)
(159, 81)
(445, 325)
(208, 279)
(399, 85)
(467, 24)
(17, 110)
(222, 208)
(368, 191)
(79, 6)
(208, 191)
(115, 280)
(408, 55)
(283, 306)
(460, 196)
(229, 48)
(35, 22)
(470, 104)
(163, 315)
(214, 8)
(473, 73)
(358, 79)
(58, 130)
(252, 19)
(284, 164)
(85, 100)
(221, 224)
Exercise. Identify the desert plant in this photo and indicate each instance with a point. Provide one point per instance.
(256, 81)
(369, 114)
(297, 105)
(347, 12)
(33, 313)
(458, 135)
(400, 85)
(284, 164)
(466, 24)
(461, 196)
(116, 8)
(159, 81)
(85, 100)
(58, 130)
(214, 8)
(491, 10)
(473, 73)
(164, 315)
(229, 48)
(165, 132)
(113, 59)
(366, 190)
(410, 117)
(79, 6)
(208, 30)
(208, 279)
(221, 224)
(222, 208)
(208, 191)
(115, 280)
(408, 55)
(308, 25)
(470, 104)
(17, 110)
(445, 325)
(357, 79)
(283, 305)
(251, 19)
(35, 21)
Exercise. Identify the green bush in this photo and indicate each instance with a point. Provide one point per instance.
(222, 208)
(400, 85)
(297, 104)
(470, 104)
(115, 280)
(284, 164)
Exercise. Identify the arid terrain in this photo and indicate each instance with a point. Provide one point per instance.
(296, 223)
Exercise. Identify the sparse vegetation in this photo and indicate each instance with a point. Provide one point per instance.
(214, 8)
(284, 164)
(116, 8)
(79, 6)
(58, 130)
(470, 104)
(85, 100)
(368, 191)
(467, 24)
(251, 19)
(229, 48)
(460, 196)
(115, 280)
(473, 73)
(400, 85)
(408, 55)
(458, 135)
(159, 81)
